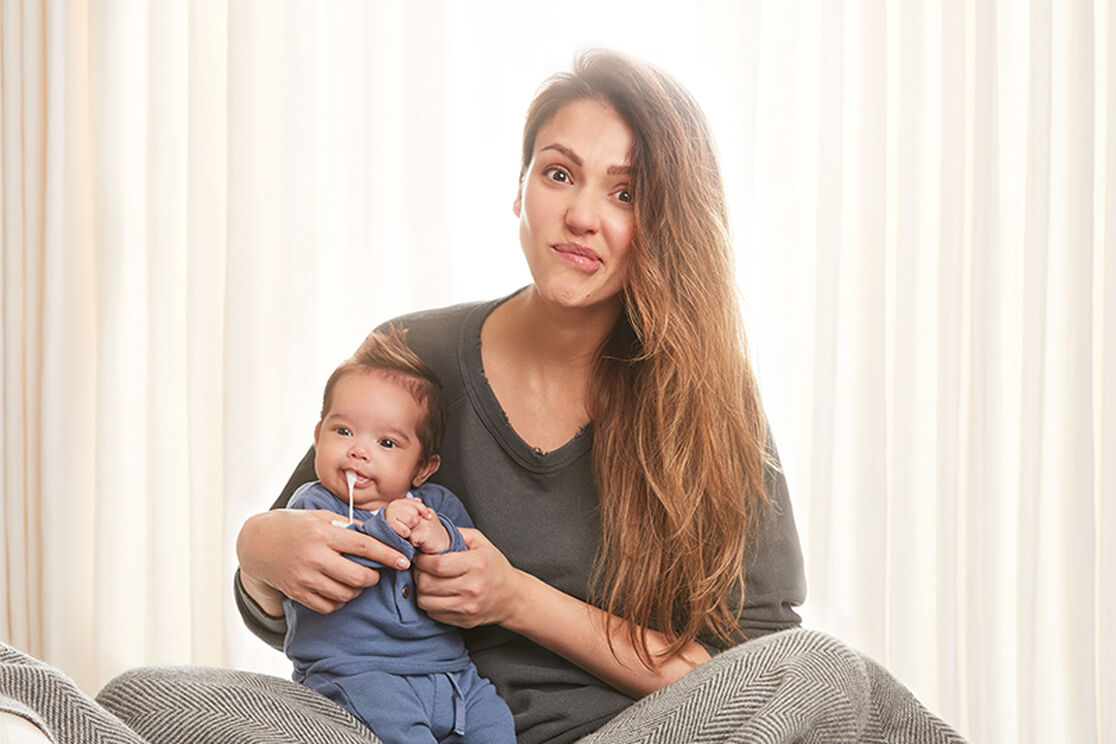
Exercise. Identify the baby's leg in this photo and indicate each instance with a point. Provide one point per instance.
(389, 704)
(487, 717)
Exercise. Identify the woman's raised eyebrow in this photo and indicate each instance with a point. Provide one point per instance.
(613, 170)
(567, 152)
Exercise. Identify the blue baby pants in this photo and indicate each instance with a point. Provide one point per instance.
(444, 708)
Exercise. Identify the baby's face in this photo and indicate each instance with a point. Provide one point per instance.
(371, 429)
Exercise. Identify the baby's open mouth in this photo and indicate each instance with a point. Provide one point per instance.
(356, 479)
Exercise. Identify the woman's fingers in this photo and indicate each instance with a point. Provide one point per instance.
(467, 588)
(300, 554)
(435, 568)
(330, 596)
(342, 540)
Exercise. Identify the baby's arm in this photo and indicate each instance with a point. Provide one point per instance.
(416, 522)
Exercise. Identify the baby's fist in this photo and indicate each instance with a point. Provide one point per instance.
(405, 515)
(431, 536)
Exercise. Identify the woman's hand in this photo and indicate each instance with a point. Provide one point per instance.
(468, 588)
(479, 586)
(298, 553)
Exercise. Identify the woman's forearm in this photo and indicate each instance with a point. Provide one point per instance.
(580, 632)
(266, 596)
(479, 586)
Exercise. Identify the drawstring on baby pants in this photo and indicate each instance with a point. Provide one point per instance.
(458, 706)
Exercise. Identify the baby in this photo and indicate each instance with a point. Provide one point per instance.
(405, 675)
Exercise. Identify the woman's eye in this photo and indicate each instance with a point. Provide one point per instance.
(624, 195)
(387, 444)
(557, 174)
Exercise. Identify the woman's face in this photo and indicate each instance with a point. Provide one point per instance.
(575, 206)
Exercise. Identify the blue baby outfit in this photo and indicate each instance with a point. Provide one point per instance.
(407, 676)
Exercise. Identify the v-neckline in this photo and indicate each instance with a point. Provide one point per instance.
(492, 414)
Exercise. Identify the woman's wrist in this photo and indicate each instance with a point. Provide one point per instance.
(523, 605)
(580, 633)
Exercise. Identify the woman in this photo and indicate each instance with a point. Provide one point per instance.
(606, 435)
(606, 432)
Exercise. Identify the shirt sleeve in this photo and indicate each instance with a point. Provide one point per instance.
(774, 574)
(376, 526)
(272, 630)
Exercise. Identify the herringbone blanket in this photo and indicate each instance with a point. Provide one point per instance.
(795, 686)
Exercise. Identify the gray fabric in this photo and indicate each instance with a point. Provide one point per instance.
(794, 686)
(540, 510)
(203, 705)
(49, 699)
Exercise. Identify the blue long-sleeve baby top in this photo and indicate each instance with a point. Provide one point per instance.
(383, 628)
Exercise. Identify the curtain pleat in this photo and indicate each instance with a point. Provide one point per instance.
(946, 208)
(71, 350)
(1104, 339)
(167, 425)
(22, 82)
(210, 532)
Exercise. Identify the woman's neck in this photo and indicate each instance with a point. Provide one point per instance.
(551, 336)
(538, 359)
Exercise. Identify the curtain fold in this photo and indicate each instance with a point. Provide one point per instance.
(1104, 383)
(22, 155)
(205, 270)
(206, 205)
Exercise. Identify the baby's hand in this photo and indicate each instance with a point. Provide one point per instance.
(404, 515)
(417, 523)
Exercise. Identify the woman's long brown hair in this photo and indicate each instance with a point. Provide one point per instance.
(679, 450)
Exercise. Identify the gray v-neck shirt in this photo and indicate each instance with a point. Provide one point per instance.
(540, 510)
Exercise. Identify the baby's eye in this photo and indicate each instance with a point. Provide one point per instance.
(388, 444)
(343, 431)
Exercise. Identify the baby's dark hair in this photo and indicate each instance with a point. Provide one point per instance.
(386, 352)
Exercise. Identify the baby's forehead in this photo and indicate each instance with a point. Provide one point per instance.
(345, 400)
(404, 384)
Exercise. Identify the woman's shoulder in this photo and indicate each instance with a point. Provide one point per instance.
(439, 335)
(436, 322)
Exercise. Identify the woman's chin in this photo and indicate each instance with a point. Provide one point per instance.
(578, 296)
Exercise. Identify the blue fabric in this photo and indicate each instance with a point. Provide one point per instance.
(384, 659)
(458, 707)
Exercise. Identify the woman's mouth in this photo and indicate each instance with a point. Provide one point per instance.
(578, 256)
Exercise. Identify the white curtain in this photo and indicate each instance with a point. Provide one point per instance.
(930, 270)
(207, 205)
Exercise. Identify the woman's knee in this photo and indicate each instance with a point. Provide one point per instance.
(804, 656)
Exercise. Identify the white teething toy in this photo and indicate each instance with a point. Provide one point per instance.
(350, 476)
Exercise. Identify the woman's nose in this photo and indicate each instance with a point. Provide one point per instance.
(583, 216)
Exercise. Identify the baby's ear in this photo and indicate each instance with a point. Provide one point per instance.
(425, 470)
(317, 428)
